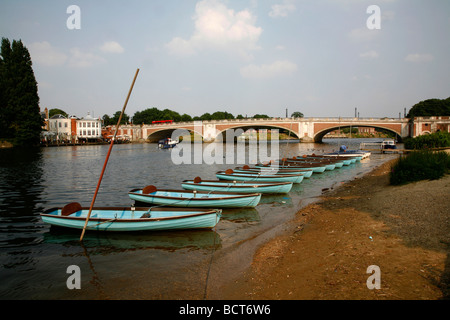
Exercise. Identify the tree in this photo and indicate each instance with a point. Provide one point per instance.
(297, 114)
(20, 120)
(56, 111)
(221, 115)
(116, 116)
(186, 117)
(206, 117)
(261, 116)
(106, 120)
(430, 107)
(147, 116)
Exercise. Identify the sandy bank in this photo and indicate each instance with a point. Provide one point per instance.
(327, 248)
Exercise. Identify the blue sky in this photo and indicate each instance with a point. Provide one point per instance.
(241, 56)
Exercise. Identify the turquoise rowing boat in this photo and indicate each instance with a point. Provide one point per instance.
(258, 176)
(131, 219)
(237, 186)
(194, 199)
(316, 168)
(307, 173)
(329, 166)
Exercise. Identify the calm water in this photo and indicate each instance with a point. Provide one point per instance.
(166, 265)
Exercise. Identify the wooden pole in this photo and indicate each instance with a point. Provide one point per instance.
(107, 156)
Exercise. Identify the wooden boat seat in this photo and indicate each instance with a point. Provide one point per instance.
(149, 189)
(197, 180)
(70, 208)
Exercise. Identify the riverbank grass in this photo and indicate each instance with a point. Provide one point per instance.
(420, 165)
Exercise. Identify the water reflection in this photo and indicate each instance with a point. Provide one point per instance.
(107, 243)
(240, 215)
(21, 189)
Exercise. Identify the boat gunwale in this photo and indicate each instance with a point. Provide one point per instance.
(249, 183)
(136, 220)
(236, 195)
(280, 168)
(237, 174)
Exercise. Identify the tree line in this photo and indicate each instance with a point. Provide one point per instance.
(430, 107)
(149, 115)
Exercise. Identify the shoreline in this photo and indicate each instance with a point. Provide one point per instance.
(325, 250)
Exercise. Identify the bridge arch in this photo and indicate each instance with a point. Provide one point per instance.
(163, 133)
(223, 131)
(318, 136)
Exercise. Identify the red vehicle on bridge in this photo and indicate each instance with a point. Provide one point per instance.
(162, 121)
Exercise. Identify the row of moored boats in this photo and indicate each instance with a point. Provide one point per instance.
(199, 204)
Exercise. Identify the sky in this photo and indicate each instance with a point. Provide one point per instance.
(323, 58)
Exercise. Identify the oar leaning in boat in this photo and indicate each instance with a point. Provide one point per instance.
(107, 156)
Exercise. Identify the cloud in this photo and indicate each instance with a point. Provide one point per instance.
(363, 34)
(282, 10)
(276, 69)
(79, 59)
(43, 53)
(112, 47)
(417, 57)
(369, 55)
(219, 28)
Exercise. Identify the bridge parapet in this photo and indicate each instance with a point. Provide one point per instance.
(307, 129)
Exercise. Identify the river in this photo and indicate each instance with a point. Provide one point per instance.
(34, 257)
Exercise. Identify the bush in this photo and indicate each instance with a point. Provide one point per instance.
(420, 165)
(438, 139)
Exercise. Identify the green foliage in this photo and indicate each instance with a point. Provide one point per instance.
(154, 114)
(438, 139)
(20, 120)
(56, 111)
(125, 118)
(261, 116)
(430, 107)
(297, 114)
(420, 165)
(221, 115)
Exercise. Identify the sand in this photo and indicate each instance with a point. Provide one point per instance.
(326, 251)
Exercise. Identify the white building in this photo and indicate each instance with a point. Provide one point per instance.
(73, 129)
(89, 128)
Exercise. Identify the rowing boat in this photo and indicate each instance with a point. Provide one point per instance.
(73, 215)
(316, 168)
(194, 199)
(237, 186)
(307, 173)
(229, 174)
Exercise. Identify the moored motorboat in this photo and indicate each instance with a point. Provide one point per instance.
(126, 219)
(194, 199)
(237, 186)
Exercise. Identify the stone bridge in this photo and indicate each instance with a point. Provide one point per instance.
(305, 129)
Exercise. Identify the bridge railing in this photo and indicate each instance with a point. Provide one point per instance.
(268, 120)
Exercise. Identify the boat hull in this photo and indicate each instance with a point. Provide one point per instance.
(275, 170)
(240, 187)
(129, 219)
(241, 176)
(196, 199)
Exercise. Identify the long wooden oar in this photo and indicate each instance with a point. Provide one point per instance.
(107, 157)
